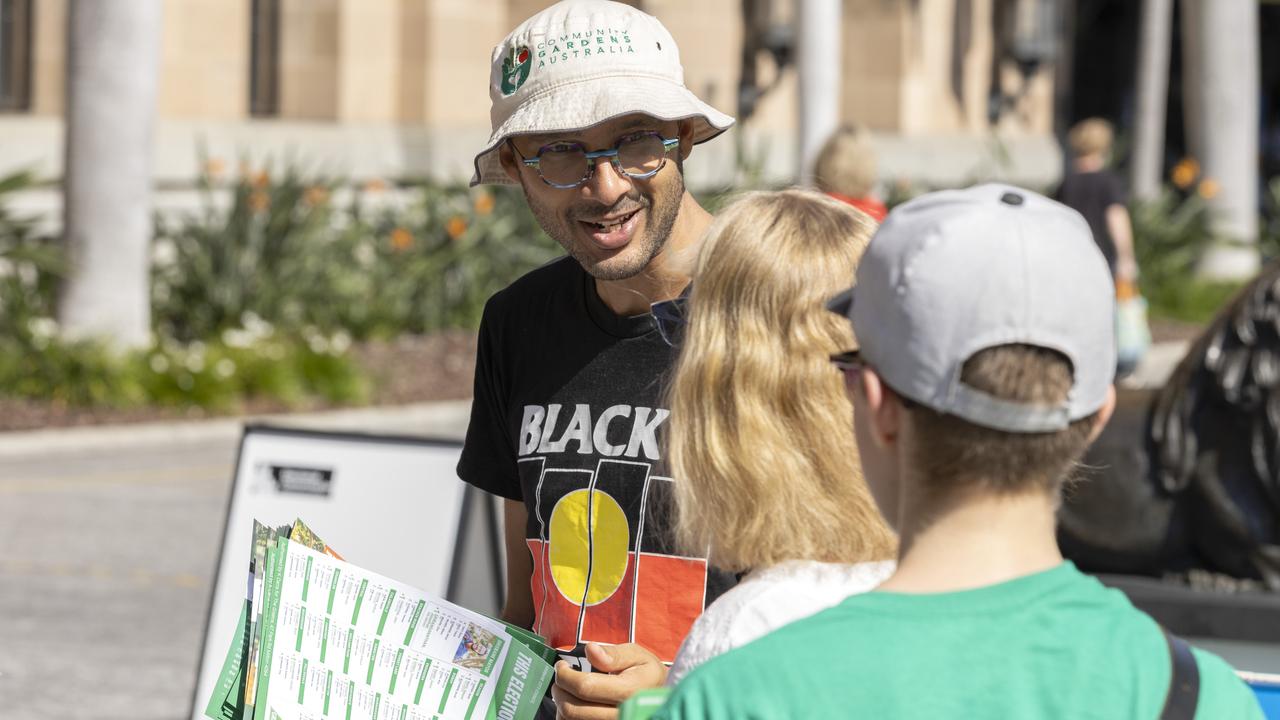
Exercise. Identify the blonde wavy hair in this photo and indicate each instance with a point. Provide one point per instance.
(761, 441)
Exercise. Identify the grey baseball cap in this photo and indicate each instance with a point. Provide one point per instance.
(956, 272)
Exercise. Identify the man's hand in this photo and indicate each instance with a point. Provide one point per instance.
(595, 695)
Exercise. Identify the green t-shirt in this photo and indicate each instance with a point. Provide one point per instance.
(1056, 644)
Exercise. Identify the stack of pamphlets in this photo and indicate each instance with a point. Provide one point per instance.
(319, 637)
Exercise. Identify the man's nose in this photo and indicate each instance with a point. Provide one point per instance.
(606, 185)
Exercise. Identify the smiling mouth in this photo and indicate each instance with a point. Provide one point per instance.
(613, 233)
(610, 225)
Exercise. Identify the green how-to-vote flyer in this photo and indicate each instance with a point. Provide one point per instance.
(321, 638)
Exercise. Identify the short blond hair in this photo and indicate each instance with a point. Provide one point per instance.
(761, 441)
(846, 164)
(1090, 137)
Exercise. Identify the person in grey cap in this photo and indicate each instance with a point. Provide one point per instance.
(984, 318)
(592, 120)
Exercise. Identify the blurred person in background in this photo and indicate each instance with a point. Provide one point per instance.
(592, 120)
(846, 170)
(1099, 195)
(970, 413)
(763, 482)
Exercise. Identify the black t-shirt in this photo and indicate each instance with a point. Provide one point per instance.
(567, 408)
(1090, 194)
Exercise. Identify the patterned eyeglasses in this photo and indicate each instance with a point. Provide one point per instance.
(567, 165)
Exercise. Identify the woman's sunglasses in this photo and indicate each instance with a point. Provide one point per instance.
(849, 362)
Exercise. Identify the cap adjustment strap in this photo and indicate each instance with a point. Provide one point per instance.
(990, 411)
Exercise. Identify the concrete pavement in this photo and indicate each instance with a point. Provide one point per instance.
(110, 537)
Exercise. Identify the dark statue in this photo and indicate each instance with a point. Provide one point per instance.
(1187, 478)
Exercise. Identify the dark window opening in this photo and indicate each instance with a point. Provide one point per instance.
(264, 58)
(15, 55)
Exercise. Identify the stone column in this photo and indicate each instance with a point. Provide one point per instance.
(1224, 85)
(112, 75)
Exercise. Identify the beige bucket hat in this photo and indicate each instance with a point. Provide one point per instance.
(579, 63)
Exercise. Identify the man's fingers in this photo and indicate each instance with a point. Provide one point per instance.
(570, 707)
(601, 657)
(590, 695)
(593, 687)
(616, 658)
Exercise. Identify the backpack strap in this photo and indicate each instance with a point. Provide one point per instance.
(1184, 682)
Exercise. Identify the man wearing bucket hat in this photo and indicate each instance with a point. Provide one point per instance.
(985, 368)
(591, 118)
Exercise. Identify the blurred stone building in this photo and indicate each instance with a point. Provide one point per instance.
(398, 88)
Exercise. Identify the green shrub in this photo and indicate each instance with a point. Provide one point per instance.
(31, 266)
(263, 253)
(433, 265)
(1269, 240)
(285, 253)
(1170, 234)
(221, 375)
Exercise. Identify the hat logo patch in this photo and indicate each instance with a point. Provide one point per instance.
(515, 69)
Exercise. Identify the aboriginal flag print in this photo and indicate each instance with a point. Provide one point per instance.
(568, 420)
(603, 567)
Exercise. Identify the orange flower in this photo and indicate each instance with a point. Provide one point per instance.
(259, 201)
(455, 227)
(214, 167)
(316, 196)
(375, 185)
(484, 203)
(1185, 172)
(1209, 188)
(260, 179)
(401, 239)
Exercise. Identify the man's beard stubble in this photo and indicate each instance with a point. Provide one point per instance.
(662, 211)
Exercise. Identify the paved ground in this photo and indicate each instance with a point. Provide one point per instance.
(105, 578)
(108, 541)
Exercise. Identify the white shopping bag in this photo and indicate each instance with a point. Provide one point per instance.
(1133, 334)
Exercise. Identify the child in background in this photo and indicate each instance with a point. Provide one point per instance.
(846, 170)
(1096, 193)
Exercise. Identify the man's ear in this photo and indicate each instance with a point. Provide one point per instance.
(508, 160)
(686, 130)
(1104, 414)
(886, 409)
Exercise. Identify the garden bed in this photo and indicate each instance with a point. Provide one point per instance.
(408, 369)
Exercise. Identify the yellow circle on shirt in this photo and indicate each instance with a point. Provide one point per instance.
(571, 548)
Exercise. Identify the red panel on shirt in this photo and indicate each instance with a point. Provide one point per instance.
(666, 607)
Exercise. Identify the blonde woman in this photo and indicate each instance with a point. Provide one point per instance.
(764, 481)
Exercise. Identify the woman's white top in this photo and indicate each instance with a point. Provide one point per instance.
(769, 598)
